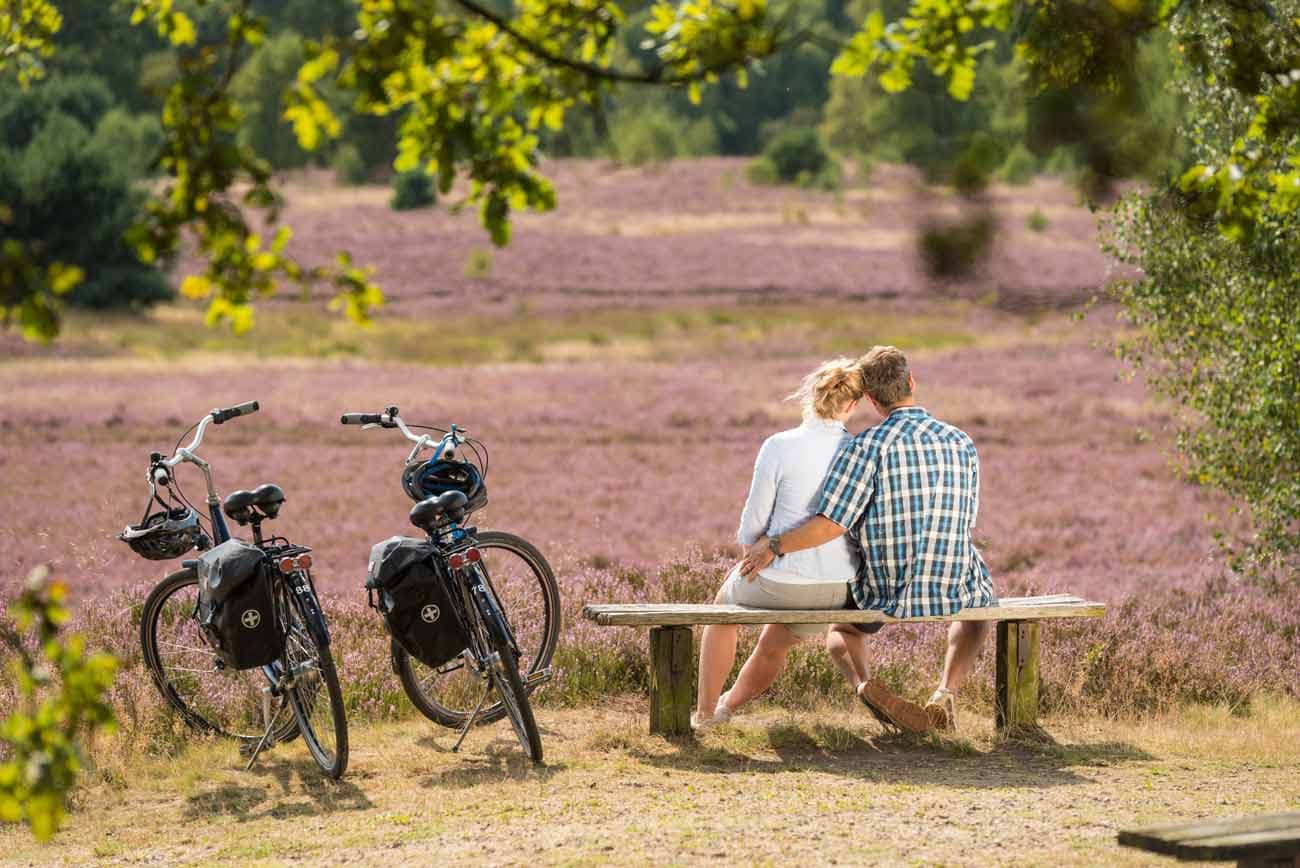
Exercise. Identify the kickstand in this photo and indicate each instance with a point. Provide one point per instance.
(472, 717)
(265, 741)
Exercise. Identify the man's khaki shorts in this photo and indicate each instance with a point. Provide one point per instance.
(780, 589)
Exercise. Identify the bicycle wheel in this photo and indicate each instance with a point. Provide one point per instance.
(208, 696)
(526, 591)
(504, 673)
(315, 696)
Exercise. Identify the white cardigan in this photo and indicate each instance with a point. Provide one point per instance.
(785, 492)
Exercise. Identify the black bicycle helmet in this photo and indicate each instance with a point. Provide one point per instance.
(164, 535)
(424, 479)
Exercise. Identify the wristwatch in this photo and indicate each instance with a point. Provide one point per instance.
(774, 545)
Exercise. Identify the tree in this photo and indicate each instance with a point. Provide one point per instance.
(271, 68)
(68, 195)
(475, 83)
(1220, 282)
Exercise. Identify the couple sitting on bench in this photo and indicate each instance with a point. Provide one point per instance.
(877, 521)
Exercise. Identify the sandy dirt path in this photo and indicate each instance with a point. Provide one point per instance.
(779, 787)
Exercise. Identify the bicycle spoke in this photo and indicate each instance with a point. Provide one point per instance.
(210, 697)
(192, 649)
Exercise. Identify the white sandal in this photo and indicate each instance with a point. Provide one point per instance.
(721, 715)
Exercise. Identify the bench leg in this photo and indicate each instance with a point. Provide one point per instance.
(1017, 675)
(671, 682)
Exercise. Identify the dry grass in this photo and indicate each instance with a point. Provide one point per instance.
(304, 331)
(779, 787)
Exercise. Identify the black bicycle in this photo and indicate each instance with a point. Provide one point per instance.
(445, 598)
(236, 637)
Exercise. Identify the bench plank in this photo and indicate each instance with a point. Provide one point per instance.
(671, 640)
(1271, 836)
(670, 614)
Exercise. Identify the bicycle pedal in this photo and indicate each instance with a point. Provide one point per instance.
(541, 676)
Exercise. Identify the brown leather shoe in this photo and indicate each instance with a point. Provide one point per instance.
(892, 710)
(942, 710)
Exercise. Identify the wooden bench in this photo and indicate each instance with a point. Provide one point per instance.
(1255, 842)
(672, 661)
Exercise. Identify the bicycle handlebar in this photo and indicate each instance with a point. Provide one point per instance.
(217, 416)
(365, 419)
(245, 409)
(390, 419)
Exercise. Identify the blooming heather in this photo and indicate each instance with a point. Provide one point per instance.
(629, 477)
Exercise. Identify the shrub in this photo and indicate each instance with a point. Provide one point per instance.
(969, 177)
(952, 249)
(62, 701)
(1036, 221)
(1019, 167)
(412, 190)
(83, 98)
(134, 141)
(349, 169)
(647, 137)
(796, 152)
(72, 198)
(762, 171)
(479, 264)
(1062, 162)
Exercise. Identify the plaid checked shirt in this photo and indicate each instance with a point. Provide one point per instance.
(908, 491)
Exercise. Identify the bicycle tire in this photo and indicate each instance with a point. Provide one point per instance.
(169, 609)
(419, 681)
(306, 704)
(505, 677)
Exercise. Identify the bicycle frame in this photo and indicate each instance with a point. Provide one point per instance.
(297, 582)
(472, 583)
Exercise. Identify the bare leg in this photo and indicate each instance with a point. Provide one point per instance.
(763, 666)
(717, 656)
(848, 650)
(964, 641)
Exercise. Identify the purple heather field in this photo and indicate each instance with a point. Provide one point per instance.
(630, 474)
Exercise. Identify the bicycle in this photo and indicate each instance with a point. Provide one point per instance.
(193, 672)
(479, 576)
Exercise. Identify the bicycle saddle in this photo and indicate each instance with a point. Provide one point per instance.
(267, 498)
(426, 513)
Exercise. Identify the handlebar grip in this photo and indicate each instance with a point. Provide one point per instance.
(361, 419)
(244, 409)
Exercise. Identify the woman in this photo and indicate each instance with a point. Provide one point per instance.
(786, 488)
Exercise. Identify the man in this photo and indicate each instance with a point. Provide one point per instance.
(907, 492)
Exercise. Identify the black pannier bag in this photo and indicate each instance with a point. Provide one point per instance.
(236, 608)
(414, 600)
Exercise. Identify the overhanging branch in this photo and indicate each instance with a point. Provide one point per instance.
(601, 73)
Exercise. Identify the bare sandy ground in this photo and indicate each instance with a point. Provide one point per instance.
(781, 787)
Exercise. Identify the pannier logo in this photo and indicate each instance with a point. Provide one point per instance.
(429, 613)
(251, 618)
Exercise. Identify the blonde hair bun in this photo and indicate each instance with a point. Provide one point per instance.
(825, 392)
